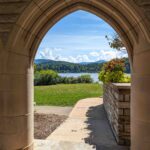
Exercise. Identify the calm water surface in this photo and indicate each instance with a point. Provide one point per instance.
(94, 76)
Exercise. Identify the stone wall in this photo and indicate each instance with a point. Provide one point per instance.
(117, 105)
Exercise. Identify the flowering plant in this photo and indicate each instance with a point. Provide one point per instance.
(113, 71)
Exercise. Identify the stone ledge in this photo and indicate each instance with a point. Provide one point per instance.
(122, 85)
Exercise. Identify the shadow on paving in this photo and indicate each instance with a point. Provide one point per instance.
(100, 136)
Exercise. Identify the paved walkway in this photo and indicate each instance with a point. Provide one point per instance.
(86, 128)
(53, 110)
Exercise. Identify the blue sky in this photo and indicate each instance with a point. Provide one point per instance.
(78, 37)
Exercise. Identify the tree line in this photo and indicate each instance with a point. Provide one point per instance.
(50, 77)
(67, 67)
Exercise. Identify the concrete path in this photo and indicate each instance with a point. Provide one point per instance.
(53, 110)
(86, 128)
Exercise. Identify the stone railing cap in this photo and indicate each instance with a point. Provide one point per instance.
(122, 85)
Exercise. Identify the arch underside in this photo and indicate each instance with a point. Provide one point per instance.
(40, 16)
(23, 24)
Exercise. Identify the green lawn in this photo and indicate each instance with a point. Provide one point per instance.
(65, 94)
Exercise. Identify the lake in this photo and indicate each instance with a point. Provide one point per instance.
(94, 76)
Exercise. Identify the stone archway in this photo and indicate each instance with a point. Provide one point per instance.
(22, 27)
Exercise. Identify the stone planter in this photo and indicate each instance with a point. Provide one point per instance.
(117, 105)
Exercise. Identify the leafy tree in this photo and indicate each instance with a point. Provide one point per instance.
(115, 42)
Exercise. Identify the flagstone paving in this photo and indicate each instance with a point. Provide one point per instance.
(86, 128)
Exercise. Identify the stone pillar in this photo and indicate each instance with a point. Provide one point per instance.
(16, 102)
(140, 99)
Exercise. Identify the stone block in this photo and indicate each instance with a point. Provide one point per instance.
(123, 105)
(127, 128)
(121, 98)
(127, 112)
(127, 97)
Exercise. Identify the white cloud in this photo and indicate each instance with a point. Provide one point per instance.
(108, 54)
(57, 54)
(53, 55)
(94, 54)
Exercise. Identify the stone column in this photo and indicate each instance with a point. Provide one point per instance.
(140, 98)
(16, 102)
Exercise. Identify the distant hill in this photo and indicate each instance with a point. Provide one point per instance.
(96, 62)
(100, 61)
(41, 61)
(68, 67)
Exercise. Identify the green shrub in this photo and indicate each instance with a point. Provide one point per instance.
(125, 79)
(68, 80)
(73, 80)
(46, 77)
(85, 79)
(113, 71)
